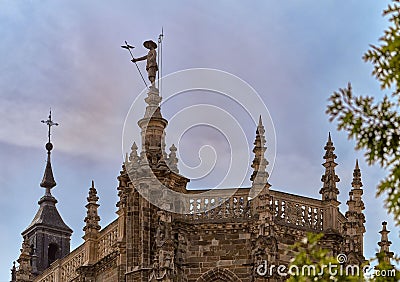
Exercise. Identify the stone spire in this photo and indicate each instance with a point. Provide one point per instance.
(259, 165)
(92, 219)
(24, 273)
(260, 205)
(172, 159)
(356, 184)
(329, 191)
(48, 181)
(92, 226)
(384, 245)
(355, 202)
(354, 226)
(132, 162)
(47, 234)
(357, 193)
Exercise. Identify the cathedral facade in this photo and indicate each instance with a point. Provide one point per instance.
(165, 232)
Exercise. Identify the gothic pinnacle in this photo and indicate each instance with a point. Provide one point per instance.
(329, 190)
(24, 260)
(172, 159)
(92, 219)
(329, 148)
(356, 194)
(259, 162)
(355, 218)
(92, 194)
(133, 156)
(356, 184)
(384, 244)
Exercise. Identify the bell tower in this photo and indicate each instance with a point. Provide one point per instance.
(47, 235)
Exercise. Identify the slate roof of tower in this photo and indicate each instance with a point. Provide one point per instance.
(48, 216)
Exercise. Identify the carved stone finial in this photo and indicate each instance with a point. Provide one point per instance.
(356, 184)
(172, 159)
(384, 244)
(354, 226)
(329, 148)
(133, 156)
(357, 192)
(329, 190)
(92, 219)
(23, 273)
(260, 163)
(92, 194)
(132, 162)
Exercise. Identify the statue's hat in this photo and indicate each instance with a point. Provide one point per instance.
(149, 43)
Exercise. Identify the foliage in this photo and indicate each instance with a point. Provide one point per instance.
(375, 125)
(309, 253)
(384, 271)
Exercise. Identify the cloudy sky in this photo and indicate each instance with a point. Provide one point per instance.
(66, 55)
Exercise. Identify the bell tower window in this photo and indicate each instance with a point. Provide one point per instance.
(52, 253)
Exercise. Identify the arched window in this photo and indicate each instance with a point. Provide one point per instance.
(52, 253)
(219, 275)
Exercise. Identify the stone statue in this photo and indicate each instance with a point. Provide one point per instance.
(151, 57)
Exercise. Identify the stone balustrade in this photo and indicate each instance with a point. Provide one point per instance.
(70, 265)
(107, 240)
(64, 270)
(297, 211)
(289, 209)
(218, 204)
(49, 277)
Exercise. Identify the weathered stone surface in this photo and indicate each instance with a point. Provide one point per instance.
(220, 238)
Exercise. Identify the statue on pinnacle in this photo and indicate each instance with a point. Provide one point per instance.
(151, 58)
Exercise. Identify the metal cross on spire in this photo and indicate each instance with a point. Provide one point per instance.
(49, 123)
